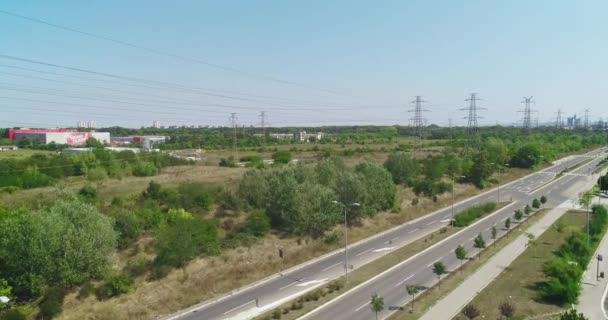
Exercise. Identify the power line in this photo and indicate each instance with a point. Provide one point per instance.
(179, 57)
(472, 116)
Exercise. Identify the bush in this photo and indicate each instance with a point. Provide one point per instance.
(88, 192)
(330, 238)
(228, 162)
(144, 169)
(96, 174)
(13, 314)
(465, 217)
(118, 284)
(282, 157)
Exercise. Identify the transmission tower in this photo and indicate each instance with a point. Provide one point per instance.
(418, 120)
(558, 119)
(233, 123)
(472, 117)
(527, 113)
(262, 117)
(586, 119)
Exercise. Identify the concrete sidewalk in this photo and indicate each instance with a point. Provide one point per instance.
(591, 301)
(451, 304)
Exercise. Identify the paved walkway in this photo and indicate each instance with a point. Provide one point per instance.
(451, 304)
(591, 299)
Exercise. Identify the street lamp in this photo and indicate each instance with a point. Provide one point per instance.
(452, 177)
(597, 274)
(354, 204)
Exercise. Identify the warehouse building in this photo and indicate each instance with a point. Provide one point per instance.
(58, 136)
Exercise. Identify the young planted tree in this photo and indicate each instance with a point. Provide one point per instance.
(494, 232)
(479, 242)
(518, 215)
(508, 223)
(377, 304)
(470, 311)
(412, 290)
(507, 310)
(603, 183)
(528, 209)
(461, 253)
(532, 242)
(439, 269)
(536, 203)
(543, 200)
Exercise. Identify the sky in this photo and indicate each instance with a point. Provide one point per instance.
(304, 63)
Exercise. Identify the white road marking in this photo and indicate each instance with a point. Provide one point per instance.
(446, 220)
(413, 230)
(287, 286)
(432, 263)
(383, 249)
(307, 283)
(361, 307)
(430, 223)
(337, 264)
(244, 304)
(404, 280)
(448, 216)
(364, 252)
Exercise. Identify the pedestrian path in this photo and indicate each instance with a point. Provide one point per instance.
(592, 298)
(451, 304)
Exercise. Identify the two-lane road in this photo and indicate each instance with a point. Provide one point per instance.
(252, 301)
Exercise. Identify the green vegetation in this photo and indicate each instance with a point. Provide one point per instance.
(565, 270)
(467, 216)
(41, 170)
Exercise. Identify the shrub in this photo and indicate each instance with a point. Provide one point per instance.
(144, 169)
(283, 157)
(88, 192)
(330, 238)
(465, 217)
(96, 174)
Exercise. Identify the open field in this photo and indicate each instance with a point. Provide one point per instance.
(21, 153)
(516, 283)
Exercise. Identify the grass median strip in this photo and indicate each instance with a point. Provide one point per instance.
(428, 298)
(315, 298)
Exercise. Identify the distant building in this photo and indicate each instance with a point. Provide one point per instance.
(91, 124)
(303, 136)
(81, 124)
(58, 135)
(156, 124)
(8, 148)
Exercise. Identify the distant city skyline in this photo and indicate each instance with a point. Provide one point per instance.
(305, 64)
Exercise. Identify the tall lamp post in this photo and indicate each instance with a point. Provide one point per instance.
(453, 183)
(354, 204)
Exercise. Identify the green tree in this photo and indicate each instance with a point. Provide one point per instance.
(532, 242)
(62, 245)
(527, 209)
(412, 290)
(439, 269)
(403, 167)
(282, 157)
(535, 203)
(380, 187)
(183, 238)
(482, 169)
(603, 183)
(479, 242)
(543, 200)
(461, 253)
(572, 315)
(254, 189)
(527, 156)
(377, 304)
(494, 232)
(518, 215)
(508, 223)
(93, 143)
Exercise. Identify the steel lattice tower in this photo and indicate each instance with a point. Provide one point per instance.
(586, 119)
(262, 117)
(527, 113)
(418, 120)
(472, 117)
(558, 119)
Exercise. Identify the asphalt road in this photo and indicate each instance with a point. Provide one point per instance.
(391, 285)
(249, 302)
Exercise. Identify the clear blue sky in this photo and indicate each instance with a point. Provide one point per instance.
(379, 54)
